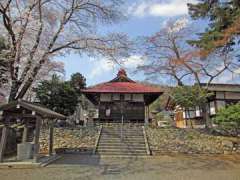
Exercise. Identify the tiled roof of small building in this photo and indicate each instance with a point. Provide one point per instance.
(45, 112)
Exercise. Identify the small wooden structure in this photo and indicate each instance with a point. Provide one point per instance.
(31, 116)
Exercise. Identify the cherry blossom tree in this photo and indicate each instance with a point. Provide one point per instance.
(167, 54)
(38, 30)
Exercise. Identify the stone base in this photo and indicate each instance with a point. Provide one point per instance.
(25, 151)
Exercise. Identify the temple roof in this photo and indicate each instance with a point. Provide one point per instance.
(122, 84)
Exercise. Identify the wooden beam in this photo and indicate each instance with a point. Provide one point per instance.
(18, 115)
(3, 142)
(36, 138)
(50, 145)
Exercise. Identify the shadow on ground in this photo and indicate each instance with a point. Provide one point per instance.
(165, 167)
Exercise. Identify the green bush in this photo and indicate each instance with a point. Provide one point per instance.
(159, 116)
(228, 119)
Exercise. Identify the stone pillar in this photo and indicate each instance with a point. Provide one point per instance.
(3, 142)
(36, 138)
(25, 134)
(50, 144)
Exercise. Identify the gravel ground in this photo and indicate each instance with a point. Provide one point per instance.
(175, 167)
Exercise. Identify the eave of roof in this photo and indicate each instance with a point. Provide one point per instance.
(122, 87)
(222, 87)
(45, 112)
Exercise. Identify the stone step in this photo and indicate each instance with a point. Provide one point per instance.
(122, 143)
(124, 128)
(121, 140)
(121, 151)
(119, 137)
(132, 143)
(121, 148)
(119, 132)
(120, 129)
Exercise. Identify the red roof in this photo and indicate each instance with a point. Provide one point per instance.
(122, 84)
(122, 87)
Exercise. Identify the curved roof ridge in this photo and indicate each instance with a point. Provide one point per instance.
(121, 84)
(122, 77)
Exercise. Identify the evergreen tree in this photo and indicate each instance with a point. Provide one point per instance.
(222, 15)
(78, 82)
(57, 95)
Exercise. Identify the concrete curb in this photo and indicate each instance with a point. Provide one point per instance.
(30, 164)
(50, 160)
(146, 141)
(97, 140)
(19, 165)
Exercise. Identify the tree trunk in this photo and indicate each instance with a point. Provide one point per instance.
(206, 117)
(24, 89)
(189, 119)
(13, 91)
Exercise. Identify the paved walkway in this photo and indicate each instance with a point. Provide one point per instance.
(76, 167)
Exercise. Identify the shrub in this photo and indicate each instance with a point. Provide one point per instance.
(159, 116)
(162, 119)
(228, 119)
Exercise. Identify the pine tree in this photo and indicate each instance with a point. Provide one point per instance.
(57, 95)
(221, 15)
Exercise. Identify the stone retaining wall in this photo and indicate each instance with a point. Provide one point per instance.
(68, 138)
(173, 140)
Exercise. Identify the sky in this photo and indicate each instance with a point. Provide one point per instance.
(145, 17)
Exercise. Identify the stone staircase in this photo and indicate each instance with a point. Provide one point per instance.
(131, 143)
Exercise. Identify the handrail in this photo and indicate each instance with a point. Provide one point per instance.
(146, 141)
(97, 140)
(122, 129)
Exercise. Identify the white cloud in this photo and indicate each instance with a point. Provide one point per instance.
(167, 8)
(178, 25)
(237, 71)
(227, 77)
(105, 66)
(100, 66)
(132, 62)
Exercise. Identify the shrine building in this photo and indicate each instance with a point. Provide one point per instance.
(122, 99)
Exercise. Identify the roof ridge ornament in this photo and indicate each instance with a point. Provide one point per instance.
(122, 72)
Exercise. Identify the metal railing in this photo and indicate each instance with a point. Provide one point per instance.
(122, 128)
